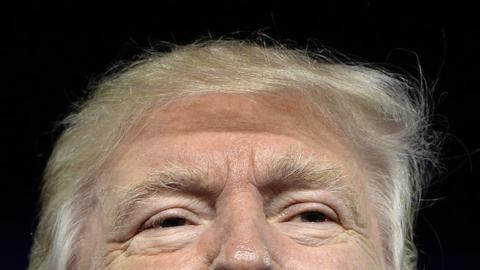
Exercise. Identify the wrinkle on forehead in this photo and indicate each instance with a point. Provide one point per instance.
(284, 114)
(171, 130)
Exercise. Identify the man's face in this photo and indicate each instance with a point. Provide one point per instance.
(233, 182)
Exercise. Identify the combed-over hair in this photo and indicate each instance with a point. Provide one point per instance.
(382, 114)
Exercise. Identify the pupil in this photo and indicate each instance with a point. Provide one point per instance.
(312, 216)
(173, 222)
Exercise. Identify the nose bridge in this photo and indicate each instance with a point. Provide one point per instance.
(244, 245)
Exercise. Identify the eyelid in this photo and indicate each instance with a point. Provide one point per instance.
(296, 209)
(169, 213)
(153, 206)
(343, 214)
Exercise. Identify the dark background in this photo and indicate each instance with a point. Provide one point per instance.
(51, 52)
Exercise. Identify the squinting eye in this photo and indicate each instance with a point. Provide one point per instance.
(310, 216)
(168, 222)
(313, 216)
(172, 222)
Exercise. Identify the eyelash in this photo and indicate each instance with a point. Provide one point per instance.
(293, 211)
(155, 222)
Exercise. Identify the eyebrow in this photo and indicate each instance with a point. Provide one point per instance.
(172, 178)
(296, 172)
(288, 172)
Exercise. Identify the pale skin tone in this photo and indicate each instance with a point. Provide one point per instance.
(233, 182)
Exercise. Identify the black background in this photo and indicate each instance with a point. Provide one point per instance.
(51, 52)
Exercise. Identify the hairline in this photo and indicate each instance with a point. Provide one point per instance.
(412, 158)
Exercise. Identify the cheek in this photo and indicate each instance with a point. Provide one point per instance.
(347, 251)
(185, 258)
(329, 257)
(188, 249)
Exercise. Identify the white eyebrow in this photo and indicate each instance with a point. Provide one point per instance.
(296, 172)
(172, 178)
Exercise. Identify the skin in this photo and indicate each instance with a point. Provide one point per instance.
(235, 224)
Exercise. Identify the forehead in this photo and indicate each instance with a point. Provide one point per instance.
(282, 114)
(230, 129)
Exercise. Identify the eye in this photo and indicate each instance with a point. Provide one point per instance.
(163, 223)
(311, 216)
(168, 219)
(171, 222)
(310, 212)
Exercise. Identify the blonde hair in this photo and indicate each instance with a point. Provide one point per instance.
(382, 114)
